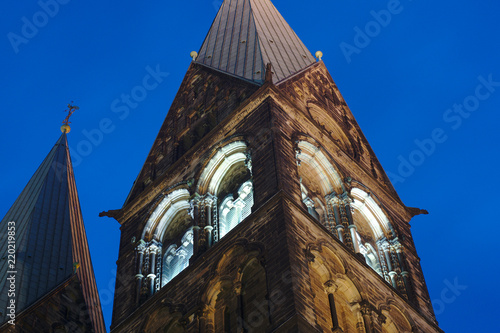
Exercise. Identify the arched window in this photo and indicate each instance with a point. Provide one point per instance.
(232, 211)
(372, 226)
(227, 181)
(370, 254)
(318, 179)
(166, 244)
(314, 203)
(176, 257)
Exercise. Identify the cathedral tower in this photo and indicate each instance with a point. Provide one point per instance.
(261, 206)
(47, 281)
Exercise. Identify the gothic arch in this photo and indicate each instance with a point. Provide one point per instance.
(167, 210)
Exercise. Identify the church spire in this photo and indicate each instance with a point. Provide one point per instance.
(51, 247)
(246, 35)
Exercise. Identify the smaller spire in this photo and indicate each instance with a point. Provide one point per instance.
(65, 128)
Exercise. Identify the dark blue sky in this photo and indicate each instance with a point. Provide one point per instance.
(423, 83)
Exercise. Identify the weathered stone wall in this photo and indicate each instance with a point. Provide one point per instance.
(279, 232)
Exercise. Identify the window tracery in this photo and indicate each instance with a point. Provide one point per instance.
(166, 244)
(176, 257)
(233, 211)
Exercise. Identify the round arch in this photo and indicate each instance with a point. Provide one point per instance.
(315, 163)
(396, 320)
(365, 205)
(174, 203)
(218, 166)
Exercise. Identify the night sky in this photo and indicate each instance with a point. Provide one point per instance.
(422, 79)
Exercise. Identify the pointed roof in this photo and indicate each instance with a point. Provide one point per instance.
(248, 34)
(50, 237)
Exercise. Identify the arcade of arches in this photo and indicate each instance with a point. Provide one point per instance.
(183, 225)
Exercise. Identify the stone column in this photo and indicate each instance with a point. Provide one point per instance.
(139, 277)
(387, 255)
(404, 272)
(331, 216)
(338, 219)
(199, 217)
(346, 217)
(208, 235)
(153, 252)
(330, 288)
(353, 229)
(239, 308)
(205, 322)
(366, 312)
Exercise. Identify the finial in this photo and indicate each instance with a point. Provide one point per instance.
(65, 128)
(319, 55)
(193, 55)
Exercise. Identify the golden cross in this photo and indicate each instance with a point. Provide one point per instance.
(71, 110)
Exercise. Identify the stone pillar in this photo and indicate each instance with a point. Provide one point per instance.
(346, 217)
(353, 229)
(196, 229)
(366, 312)
(208, 235)
(331, 214)
(139, 277)
(356, 310)
(153, 250)
(387, 255)
(239, 308)
(330, 288)
(404, 272)
(206, 229)
(205, 321)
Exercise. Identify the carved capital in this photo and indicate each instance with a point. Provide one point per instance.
(309, 202)
(366, 308)
(330, 286)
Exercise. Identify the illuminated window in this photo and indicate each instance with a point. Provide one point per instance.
(176, 257)
(232, 211)
(370, 254)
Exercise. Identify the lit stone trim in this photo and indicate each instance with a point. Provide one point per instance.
(159, 221)
(220, 163)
